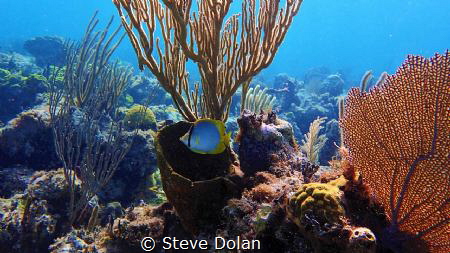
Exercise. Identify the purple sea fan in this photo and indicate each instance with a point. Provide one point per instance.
(398, 135)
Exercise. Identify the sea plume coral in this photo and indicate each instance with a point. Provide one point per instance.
(313, 142)
(398, 135)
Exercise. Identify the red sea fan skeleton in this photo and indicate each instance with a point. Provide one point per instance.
(398, 135)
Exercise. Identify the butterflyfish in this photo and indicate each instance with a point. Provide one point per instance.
(207, 136)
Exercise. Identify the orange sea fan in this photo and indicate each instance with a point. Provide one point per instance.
(398, 135)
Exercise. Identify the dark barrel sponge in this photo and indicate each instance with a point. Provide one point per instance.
(197, 185)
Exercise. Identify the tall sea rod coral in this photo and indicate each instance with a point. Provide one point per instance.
(88, 141)
(398, 135)
(228, 51)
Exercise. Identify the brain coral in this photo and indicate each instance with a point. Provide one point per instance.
(398, 135)
(323, 201)
(139, 116)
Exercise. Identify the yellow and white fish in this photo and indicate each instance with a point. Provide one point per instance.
(207, 136)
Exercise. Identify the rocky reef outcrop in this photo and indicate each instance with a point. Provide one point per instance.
(19, 92)
(30, 222)
(144, 90)
(321, 80)
(15, 62)
(267, 192)
(319, 210)
(14, 180)
(266, 143)
(28, 140)
(47, 50)
(131, 180)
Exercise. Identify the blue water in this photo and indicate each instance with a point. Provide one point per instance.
(350, 36)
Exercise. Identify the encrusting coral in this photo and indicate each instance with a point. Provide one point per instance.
(15, 180)
(398, 135)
